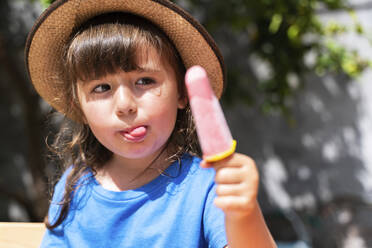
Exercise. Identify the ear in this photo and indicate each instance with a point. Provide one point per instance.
(182, 102)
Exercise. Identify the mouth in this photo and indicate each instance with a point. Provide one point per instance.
(135, 134)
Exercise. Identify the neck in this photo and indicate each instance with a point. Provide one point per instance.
(121, 174)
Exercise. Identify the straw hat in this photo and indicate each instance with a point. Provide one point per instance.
(44, 46)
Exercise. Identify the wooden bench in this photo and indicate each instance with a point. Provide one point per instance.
(21, 235)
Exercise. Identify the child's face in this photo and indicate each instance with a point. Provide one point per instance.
(133, 113)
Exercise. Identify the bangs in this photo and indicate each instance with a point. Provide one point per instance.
(103, 46)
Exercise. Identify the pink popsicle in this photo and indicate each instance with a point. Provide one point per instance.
(213, 132)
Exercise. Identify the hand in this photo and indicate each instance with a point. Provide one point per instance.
(237, 182)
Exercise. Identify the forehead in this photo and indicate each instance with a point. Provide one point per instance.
(148, 60)
(148, 56)
(151, 59)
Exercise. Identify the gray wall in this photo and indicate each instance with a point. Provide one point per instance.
(321, 166)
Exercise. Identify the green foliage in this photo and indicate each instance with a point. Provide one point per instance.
(44, 3)
(282, 34)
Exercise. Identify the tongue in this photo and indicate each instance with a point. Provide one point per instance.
(138, 131)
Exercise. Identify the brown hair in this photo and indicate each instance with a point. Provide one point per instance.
(104, 45)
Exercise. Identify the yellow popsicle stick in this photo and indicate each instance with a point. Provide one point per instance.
(222, 155)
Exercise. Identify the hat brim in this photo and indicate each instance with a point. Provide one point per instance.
(52, 30)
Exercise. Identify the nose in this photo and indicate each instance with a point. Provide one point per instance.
(125, 102)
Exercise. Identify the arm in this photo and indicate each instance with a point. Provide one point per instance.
(237, 186)
(248, 231)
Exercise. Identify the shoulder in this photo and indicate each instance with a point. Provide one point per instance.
(59, 191)
(66, 178)
(203, 172)
(200, 191)
(60, 185)
(188, 177)
(191, 166)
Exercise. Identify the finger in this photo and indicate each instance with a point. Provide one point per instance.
(217, 164)
(229, 190)
(235, 160)
(235, 203)
(229, 175)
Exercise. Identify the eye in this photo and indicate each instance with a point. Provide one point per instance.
(101, 88)
(145, 81)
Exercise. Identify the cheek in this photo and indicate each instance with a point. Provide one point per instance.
(165, 114)
(95, 113)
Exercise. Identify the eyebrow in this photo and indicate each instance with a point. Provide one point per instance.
(148, 69)
(144, 69)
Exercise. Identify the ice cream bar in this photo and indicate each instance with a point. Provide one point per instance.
(213, 133)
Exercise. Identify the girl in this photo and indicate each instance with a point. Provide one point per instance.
(115, 68)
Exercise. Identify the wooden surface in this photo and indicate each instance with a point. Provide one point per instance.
(21, 235)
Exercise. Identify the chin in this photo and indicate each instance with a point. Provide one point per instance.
(137, 154)
(139, 150)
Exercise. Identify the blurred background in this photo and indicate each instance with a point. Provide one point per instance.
(297, 101)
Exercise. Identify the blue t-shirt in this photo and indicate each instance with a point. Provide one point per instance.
(174, 210)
